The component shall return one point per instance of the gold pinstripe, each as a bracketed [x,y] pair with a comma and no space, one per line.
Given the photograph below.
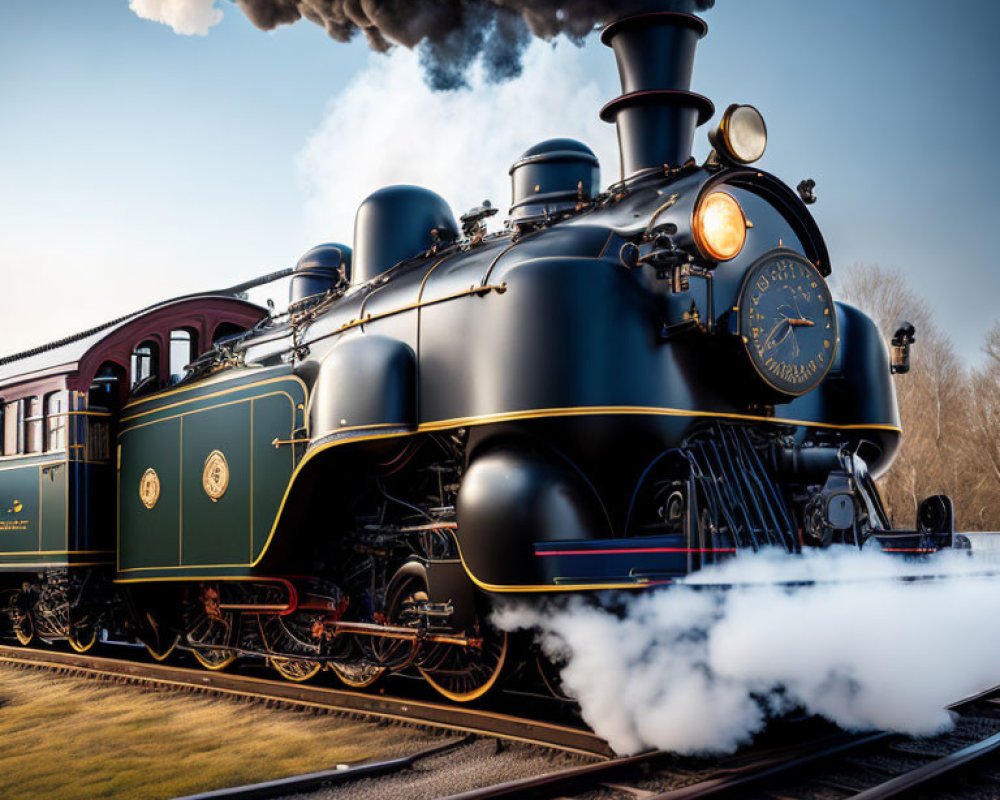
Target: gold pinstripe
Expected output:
[354,323]
[210,408]
[19,565]
[286,377]
[521,415]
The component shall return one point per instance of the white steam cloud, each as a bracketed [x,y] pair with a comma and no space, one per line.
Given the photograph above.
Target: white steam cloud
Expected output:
[700,670]
[188,17]
[388,127]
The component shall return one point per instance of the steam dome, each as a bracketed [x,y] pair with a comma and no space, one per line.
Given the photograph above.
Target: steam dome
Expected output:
[319,271]
[552,176]
[396,223]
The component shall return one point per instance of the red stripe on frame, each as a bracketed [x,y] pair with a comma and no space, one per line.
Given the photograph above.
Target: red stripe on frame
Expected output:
[632,550]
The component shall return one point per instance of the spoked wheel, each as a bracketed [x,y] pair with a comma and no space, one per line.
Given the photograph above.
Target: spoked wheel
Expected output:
[210,640]
[458,672]
[162,653]
[296,669]
[82,632]
[549,673]
[211,633]
[465,673]
[158,641]
[291,636]
[357,674]
[403,598]
[24,628]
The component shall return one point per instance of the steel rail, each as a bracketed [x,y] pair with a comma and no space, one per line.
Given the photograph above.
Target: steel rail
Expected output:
[401,709]
[742,774]
[741,778]
[557,781]
[770,767]
[744,777]
[737,775]
[309,781]
[987,695]
[922,776]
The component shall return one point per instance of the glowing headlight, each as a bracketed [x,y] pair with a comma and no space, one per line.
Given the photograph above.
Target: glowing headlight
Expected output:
[720,229]
[742,135]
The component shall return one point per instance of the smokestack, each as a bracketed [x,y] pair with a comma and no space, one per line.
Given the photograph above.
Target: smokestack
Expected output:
[656,114]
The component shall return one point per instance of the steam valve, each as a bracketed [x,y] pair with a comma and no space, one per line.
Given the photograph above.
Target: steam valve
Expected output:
[629,255]
[806,190]
[671,263]
[901,341]
[680,278]
[473,221]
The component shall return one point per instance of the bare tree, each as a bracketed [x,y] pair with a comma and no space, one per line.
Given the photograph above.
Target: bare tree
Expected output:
[984,433]
[950,415]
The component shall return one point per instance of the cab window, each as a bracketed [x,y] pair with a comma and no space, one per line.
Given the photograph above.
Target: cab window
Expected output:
[225,330]
[144,364]
[105,392]
[183,349]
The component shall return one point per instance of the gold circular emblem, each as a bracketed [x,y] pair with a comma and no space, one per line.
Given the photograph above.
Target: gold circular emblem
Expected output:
[149,488]
[215,476]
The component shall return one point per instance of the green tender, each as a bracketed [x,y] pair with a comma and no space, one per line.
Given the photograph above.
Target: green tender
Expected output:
[187,533]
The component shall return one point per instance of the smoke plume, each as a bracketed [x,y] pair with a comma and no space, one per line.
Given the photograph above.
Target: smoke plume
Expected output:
[387,126]
[695,669]
[451,35]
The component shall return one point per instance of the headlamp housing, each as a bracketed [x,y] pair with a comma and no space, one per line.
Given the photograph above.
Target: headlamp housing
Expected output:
[741,137]
[720,227]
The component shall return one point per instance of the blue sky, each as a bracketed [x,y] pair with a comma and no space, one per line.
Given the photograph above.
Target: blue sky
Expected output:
[137,163]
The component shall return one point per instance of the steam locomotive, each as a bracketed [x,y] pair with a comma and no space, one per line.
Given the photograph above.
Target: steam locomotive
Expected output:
[620,387]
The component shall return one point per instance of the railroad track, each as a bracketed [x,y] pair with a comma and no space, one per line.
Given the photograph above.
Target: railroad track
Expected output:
[820,764]
[460,719]
[875,766]
[798,771]
[323,778]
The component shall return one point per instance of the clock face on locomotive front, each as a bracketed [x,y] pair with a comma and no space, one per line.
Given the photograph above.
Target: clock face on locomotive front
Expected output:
[788,322]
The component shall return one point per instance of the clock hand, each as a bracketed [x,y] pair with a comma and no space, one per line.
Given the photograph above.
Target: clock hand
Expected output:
[800,322]
[786,311]
[768,343]
[796,294]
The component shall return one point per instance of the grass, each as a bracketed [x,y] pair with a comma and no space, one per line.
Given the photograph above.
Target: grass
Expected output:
[74,739]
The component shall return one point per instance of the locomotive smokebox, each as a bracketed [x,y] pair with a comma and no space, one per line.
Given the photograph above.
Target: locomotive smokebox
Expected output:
[656,114]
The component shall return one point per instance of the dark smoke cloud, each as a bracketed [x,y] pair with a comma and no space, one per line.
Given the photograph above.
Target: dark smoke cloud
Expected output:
[451,35]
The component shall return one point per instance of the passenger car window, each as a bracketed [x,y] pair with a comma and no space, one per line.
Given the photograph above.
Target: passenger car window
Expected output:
[12,428]
[55,420]
[33,425]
